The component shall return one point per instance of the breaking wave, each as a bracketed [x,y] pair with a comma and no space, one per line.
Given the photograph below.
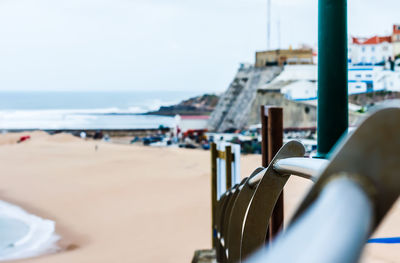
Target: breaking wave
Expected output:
[25,235]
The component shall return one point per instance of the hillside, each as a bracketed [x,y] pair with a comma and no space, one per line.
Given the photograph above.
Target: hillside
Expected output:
[200,105]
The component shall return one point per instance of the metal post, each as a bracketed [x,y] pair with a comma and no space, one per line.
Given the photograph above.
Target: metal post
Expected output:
[275,142]
[228,166]
[264,135]
[264,143]
[332,74]
[214,155]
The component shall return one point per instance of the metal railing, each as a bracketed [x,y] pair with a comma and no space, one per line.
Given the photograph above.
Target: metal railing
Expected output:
[304,167]
[335,229]
[354,189]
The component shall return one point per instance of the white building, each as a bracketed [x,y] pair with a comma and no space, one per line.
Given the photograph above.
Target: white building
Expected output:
[300,90]
[363,79]
[299,82]
[371,51]
[185,123]
[396,40]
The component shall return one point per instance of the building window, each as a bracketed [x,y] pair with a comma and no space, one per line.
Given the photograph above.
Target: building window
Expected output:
[369,76]
[373,49]
[363,49]
[358,76]
[373,60]
[385,48]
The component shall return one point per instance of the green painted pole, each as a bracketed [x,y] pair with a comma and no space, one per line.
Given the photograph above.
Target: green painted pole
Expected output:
[332,74]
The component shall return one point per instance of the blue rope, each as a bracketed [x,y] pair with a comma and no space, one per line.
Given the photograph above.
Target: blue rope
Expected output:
[388,240]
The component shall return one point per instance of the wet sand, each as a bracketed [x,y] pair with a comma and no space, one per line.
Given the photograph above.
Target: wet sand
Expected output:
[124,203]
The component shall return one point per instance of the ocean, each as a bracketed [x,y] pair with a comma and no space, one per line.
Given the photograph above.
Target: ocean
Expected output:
[86,110]
[24,235]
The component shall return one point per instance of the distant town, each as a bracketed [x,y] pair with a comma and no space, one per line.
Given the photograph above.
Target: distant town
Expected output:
[288,78]
[291,75]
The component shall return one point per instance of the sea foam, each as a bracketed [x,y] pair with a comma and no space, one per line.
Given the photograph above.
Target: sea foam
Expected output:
[107,118]
[25,235]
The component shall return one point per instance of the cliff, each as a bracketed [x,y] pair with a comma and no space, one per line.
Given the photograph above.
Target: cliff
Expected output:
[200,105]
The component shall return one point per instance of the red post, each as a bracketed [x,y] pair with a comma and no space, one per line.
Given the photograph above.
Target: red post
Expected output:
[264,144]
[264,136]
[275,142]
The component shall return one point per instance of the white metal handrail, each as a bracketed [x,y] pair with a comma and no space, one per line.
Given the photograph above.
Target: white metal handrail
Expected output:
[303,167]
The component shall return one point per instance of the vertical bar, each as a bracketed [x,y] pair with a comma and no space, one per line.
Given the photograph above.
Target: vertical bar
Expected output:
[228,166]
[275,142]
[264,143]
[264,135]
[213,192]
[332,74]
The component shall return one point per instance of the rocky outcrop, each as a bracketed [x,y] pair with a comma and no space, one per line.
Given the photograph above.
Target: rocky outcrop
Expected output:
[371,98]
[235,105]
[200,105]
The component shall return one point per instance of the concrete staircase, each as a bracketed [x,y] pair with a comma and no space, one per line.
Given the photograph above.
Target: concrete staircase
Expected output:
[234,106]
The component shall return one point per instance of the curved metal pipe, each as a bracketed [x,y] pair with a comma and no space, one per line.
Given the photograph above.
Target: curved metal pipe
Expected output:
[304,167]
[253,181]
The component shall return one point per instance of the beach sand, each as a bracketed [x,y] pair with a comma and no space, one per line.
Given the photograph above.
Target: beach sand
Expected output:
[123,203]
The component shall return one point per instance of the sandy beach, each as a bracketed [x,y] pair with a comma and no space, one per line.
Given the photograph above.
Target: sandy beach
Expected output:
[123,203]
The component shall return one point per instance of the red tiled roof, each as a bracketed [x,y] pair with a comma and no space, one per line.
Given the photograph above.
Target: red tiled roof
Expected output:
[356,41]
[372,41]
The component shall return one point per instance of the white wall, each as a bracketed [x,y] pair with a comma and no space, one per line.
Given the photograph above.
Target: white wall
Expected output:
[188,124]
[370,54]
[300,90]
[360,76]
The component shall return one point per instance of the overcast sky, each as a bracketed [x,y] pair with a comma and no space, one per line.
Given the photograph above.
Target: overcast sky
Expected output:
[155,44]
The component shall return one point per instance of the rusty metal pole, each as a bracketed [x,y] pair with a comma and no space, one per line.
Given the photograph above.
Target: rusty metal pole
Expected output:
[275,142]
[228,166]
[214,155]
[264,135]
[264,143]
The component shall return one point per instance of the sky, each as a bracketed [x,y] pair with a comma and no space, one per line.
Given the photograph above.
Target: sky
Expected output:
[149,45]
